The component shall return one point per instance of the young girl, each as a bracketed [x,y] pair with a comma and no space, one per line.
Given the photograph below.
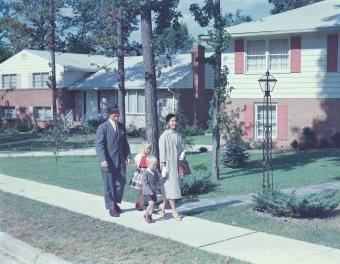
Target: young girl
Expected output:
[136,181]
[149,181]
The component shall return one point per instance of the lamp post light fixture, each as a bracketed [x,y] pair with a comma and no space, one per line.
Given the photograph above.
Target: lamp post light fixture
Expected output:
[267,83]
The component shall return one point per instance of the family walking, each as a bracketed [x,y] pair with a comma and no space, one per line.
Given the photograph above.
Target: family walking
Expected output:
[113,152]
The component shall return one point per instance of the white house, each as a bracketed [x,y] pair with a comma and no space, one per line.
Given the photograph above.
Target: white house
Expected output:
[300,48]
[87,84]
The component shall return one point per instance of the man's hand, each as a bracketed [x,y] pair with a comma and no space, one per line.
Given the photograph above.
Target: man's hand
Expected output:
[129,161]
[104,164]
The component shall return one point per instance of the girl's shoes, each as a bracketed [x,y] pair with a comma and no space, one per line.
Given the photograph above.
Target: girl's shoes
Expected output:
[148,219]
[139,207]
[176,216]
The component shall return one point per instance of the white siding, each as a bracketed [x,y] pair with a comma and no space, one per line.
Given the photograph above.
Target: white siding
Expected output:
[25,64]
[70,77]
[313,82]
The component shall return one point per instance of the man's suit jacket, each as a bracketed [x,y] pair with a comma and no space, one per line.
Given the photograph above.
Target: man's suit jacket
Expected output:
[112,147]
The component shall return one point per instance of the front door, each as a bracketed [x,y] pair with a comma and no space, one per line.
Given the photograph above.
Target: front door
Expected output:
[91,102]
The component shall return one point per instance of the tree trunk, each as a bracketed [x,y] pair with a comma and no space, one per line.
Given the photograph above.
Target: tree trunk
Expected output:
[53,81]
[151,119]
[216,130]
[121,71]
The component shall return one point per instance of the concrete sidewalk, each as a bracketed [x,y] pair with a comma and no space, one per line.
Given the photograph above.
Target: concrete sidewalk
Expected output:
[244,244]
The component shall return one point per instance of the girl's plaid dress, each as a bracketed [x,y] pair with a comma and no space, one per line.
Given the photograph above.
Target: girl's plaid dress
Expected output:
[136,181]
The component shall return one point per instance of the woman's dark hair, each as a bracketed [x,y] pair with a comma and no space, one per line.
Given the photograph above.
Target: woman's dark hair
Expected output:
[168,117]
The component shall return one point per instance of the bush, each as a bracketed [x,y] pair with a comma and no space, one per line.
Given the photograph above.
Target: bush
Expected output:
[324,143]
[308,139]
[294,144]
[92,125]
[21,126]
[203,149]
[336,140]
[197,182]
[312,205]
[234,154]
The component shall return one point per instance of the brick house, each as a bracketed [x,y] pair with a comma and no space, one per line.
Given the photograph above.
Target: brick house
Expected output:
[300,48]
[87,84]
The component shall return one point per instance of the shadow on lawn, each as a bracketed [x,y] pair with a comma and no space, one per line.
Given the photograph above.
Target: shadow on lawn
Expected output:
[287,162]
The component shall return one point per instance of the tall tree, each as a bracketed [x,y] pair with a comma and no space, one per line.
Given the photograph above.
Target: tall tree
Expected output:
[219,39]
[29,25]
[151,119]
[285,5]
[52,47]
[5,49]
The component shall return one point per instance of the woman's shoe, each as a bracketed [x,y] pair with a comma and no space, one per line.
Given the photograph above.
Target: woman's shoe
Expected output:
[176,216]
[139,207]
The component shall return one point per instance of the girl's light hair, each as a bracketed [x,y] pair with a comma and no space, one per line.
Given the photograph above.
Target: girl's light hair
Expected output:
[145,145]
[151,160]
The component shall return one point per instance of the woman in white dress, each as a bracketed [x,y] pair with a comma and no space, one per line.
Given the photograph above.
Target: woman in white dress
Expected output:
[170,150]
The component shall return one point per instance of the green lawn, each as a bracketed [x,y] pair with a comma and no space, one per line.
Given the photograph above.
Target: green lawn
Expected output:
[324,231]
[81,239]
[9,138]
[82,173]
[74,141]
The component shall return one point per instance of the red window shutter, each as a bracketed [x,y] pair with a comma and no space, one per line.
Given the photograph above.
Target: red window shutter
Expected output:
[282,122]
[332,53]
[295,54]
[239,56]
[248,128]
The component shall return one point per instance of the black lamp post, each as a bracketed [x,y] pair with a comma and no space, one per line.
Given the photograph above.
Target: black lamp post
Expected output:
[267,83]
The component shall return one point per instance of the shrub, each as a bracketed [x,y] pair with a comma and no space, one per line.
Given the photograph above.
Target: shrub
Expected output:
[234,154]
[324,143]
[203,149]
[308,139]
[92,125]
[336,140]
[282,204]
[294,144]
[132,131]
[197,182]
[20,126]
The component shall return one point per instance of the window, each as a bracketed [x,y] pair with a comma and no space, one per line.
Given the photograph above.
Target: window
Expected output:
[8,112]
[40,80]
[9,81]
[260,117]
[135,101]
[42,113]
[270,54]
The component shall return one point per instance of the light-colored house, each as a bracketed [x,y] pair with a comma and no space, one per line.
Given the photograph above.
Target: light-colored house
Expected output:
[301,49]
[87,84]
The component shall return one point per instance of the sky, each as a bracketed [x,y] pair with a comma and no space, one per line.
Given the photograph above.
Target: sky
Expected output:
[255,8]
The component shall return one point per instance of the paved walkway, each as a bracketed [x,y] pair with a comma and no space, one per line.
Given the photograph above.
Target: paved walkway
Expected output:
[227,240]
[243,199]
[135,148]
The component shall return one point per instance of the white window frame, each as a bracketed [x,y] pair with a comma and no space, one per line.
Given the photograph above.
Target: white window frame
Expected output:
[42,84]
[257,121]
[45,117]
[5,116]
[127,101]
[267,56]
[10,82]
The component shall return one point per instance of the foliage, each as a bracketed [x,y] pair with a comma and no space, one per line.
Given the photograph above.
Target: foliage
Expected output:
[56,137]
[173,40]
[198,182]
[336,140]
[234,154]
[92,125]
[308,139]
[294,144]
[133,131]
[324,143]
[203,149]
[284,5]
[282,204]
[21,126]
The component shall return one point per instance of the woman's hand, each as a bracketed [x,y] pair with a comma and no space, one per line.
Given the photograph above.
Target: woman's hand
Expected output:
[182,155]
[164,172]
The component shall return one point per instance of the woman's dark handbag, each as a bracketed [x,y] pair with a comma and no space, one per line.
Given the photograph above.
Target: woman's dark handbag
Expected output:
[183,168]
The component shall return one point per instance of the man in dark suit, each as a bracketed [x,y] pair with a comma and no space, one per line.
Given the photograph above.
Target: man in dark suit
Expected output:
[113,150]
